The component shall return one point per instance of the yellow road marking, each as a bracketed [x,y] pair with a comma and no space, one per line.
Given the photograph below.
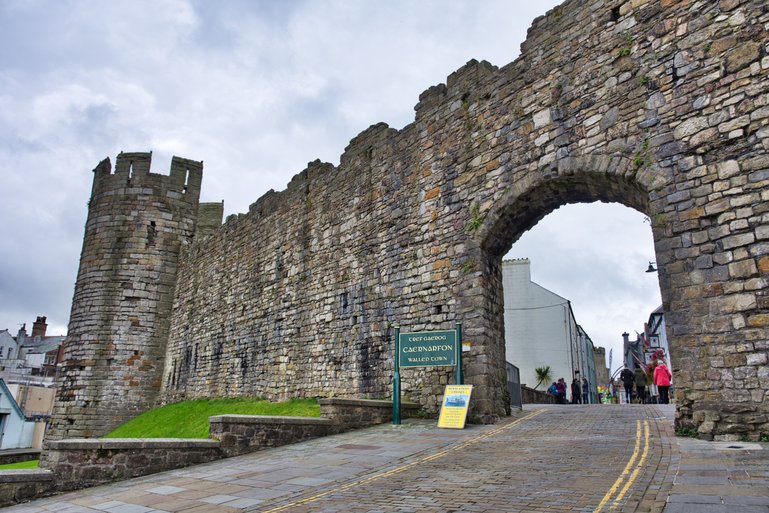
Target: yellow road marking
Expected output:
[640,465]
[407,466]
[626,472]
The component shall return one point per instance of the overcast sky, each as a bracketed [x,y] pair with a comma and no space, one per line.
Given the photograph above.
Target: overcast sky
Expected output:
[255,89]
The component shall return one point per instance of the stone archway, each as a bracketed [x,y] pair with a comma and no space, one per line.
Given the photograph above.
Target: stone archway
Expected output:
[522,207]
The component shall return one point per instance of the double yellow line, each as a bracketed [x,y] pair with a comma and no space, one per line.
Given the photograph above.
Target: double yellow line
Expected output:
[630,472]
[407,466]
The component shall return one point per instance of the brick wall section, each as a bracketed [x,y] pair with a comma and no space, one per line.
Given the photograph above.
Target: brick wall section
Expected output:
[661,105]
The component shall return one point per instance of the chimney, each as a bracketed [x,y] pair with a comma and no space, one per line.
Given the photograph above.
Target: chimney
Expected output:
[21,336]
[39,327]
[626,338]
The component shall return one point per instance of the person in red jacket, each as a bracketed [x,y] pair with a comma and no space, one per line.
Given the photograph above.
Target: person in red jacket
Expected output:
[662,378]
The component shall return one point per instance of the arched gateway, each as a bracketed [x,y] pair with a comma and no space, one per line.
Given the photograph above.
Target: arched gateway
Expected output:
[661,105]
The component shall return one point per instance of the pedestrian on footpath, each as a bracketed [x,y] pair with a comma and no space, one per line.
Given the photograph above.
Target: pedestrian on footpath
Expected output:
[628,379]
[662,379]
[585,391]
[553,390]
[640,384]
[561,386]
[576,391]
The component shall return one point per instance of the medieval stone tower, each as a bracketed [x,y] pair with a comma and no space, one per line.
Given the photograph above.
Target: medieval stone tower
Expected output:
[137,223]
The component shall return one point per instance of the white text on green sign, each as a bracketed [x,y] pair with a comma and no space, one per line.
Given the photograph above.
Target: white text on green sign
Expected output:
[428,349]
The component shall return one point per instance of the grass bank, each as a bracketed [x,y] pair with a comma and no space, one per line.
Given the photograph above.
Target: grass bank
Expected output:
[189,419]
[20,465]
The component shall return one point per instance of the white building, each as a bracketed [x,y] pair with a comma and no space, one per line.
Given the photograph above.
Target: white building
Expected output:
[8,347]
[16,432]
[540,330]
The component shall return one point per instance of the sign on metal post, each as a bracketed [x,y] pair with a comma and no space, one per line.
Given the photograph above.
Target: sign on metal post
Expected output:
[428,349]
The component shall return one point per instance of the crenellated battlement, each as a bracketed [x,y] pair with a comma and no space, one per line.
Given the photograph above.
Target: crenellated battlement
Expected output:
[132,171]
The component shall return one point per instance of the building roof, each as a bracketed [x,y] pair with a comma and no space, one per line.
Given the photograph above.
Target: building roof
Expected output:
[6,338]
[42,344]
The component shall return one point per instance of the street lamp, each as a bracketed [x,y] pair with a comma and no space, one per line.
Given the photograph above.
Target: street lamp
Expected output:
[651,268]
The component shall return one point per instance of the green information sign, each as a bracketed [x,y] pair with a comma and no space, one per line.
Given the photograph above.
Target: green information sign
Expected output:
[428,349]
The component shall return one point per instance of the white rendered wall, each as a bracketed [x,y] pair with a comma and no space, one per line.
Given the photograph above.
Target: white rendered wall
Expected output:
[538,326]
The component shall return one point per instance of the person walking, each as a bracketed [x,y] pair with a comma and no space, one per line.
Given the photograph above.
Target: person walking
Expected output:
[576,391]
[553,390]
[640,384]
[561,386]
[662,379]
[628,379]
[585,391]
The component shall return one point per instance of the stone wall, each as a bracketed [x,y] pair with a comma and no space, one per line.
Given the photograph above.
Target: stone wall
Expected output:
[240,434]
[24,485]
[348,414]
[531,396]
[18,455]
[80,463]
[660,105]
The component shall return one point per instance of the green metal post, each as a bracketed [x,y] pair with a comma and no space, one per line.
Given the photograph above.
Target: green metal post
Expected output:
[397,380]
[458,377]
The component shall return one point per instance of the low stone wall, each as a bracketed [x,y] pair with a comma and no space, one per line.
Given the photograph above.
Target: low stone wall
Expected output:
[80,463]
[239,434]
[531,396]
[349,414]
[23,485]
[16,456]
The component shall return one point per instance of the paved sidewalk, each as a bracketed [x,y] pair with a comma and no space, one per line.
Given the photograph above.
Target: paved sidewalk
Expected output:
[720,477]
[590,458]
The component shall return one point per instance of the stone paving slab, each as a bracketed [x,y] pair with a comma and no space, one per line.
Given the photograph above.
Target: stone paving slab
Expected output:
[720,477]
[586,458]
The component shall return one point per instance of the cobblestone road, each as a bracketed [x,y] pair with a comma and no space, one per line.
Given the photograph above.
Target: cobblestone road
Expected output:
[590,458]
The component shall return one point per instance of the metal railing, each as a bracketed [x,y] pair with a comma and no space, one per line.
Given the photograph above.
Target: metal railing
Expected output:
[514,385]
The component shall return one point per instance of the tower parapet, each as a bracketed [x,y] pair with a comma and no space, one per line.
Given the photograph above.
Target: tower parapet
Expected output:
[118,329]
